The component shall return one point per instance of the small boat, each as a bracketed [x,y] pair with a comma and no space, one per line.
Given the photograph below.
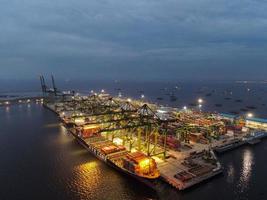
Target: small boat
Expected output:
[238,101]
[255,141]
[252,107]
[255,137]
[229,146]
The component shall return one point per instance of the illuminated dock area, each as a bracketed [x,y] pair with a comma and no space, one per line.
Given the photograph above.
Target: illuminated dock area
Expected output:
[179,163]
[148,141]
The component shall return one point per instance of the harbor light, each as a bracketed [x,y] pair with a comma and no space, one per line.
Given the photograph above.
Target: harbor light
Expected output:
[185,108]
[200,105]
[144,163]
[200,101]
[142,96]
[249,115]
[161,111]
[7,103]
[92,91]
[117,141]
[102,91]
[120,95]
[129,100]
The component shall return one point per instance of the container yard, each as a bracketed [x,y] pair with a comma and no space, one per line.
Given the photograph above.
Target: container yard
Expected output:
[150,142]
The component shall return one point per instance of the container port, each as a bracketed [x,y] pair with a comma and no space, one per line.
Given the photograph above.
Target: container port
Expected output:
[150,142]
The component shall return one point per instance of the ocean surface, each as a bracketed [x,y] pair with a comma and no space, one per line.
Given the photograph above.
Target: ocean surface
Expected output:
[40,160]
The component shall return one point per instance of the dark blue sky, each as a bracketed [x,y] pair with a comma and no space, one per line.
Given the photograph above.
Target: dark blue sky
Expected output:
[126,39]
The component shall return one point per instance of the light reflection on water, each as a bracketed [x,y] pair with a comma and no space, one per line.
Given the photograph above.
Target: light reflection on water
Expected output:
[87,176]
[246,170]
[62,130]
[7,109]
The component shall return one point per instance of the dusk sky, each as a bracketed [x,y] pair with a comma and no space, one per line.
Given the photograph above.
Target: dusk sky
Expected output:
[141,39]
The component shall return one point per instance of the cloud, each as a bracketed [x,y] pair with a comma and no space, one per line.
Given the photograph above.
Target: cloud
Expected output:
[127,36]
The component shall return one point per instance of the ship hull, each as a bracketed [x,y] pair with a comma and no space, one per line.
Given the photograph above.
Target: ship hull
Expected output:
[228,147]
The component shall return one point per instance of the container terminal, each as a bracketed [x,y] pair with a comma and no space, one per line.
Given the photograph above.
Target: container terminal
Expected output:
[149,142]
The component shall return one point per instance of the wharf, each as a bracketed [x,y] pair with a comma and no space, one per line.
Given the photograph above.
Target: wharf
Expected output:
[184,171]
[174,166]
[180,141]
[185,168]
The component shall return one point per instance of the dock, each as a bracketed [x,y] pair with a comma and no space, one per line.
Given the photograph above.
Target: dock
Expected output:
[182,175]
[180,169]
[180,143]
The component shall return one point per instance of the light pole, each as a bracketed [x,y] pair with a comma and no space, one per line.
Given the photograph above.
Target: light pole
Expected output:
[250,115]
[200,101]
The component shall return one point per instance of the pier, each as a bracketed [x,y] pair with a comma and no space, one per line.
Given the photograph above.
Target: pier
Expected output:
[181,142]
[135,126]
[181,166]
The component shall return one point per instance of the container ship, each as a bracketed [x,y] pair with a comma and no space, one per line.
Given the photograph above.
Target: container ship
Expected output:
[135,164]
